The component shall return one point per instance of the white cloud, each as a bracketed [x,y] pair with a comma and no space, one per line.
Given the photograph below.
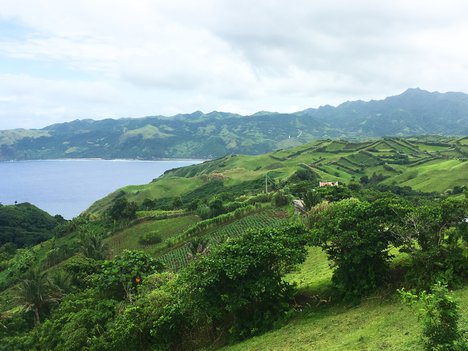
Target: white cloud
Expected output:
[165,57]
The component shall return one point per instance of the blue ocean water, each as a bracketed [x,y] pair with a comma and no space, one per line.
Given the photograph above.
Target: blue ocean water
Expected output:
[68,187]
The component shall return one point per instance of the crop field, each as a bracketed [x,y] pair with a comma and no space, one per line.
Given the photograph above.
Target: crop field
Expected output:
[178,258]
[165,228]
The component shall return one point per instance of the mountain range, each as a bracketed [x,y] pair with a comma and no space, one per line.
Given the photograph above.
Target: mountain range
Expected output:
[200,135]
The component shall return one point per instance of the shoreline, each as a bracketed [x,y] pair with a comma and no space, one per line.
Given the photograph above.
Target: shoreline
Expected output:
[110,160]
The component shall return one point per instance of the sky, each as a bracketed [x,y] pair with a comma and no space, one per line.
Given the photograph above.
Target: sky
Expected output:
[61,60]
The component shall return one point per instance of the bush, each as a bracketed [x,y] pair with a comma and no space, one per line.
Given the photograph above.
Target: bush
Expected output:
[151,238]
[440,319]
[280,199]
[120,277]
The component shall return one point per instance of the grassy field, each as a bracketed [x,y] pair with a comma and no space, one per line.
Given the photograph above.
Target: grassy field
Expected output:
[166,228]
[423,165]
[434,176]
[380,322]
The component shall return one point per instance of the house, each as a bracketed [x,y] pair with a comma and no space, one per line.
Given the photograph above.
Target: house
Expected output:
[328,184]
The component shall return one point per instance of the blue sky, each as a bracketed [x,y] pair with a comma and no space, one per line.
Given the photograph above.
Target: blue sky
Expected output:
[63,59]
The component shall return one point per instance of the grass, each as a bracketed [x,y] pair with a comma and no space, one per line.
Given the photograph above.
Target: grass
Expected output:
[437,168]
[377,323]
[434,176]
[166,228]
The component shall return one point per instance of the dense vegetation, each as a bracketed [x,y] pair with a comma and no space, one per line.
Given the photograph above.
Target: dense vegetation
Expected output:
[26,225]
[203,257]
[216,134]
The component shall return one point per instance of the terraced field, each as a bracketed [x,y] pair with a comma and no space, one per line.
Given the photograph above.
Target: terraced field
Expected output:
[398,160]
[129,238]
[178,257]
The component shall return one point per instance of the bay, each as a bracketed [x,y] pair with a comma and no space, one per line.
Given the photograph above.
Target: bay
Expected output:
[68,187]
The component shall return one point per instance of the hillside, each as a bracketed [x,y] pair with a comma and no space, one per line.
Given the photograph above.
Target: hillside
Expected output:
[199,135]
[202,258]
[424,164]
[26,225]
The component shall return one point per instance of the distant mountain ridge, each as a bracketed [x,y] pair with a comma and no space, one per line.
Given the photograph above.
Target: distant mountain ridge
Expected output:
[199,135]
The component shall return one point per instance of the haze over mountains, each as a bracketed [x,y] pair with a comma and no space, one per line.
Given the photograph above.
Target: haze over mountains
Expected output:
[199,135]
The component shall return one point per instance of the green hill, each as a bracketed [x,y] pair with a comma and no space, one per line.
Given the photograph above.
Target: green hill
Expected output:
[217,263]
[215,134]
[26,225]
[424,164]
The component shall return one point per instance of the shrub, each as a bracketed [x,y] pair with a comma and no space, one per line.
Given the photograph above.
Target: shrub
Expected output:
[440,319]
[280,199]
[151,238]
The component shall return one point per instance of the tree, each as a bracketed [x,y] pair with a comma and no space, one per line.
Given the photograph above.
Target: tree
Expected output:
[92,246]
[434,235]
[120,276]
[197,246]
[355,235]
[236,291]
[122,209]
[36,293]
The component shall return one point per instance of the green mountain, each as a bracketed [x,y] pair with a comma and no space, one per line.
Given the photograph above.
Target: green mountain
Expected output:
[199,135]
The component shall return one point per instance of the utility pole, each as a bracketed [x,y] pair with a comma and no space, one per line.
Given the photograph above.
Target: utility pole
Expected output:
[266,183]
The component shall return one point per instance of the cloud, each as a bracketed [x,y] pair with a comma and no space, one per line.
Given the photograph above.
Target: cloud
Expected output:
[166,57]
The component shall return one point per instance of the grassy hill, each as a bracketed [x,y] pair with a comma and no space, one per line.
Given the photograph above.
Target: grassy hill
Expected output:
[379,322]
[424,164]
[215,134]
[171,220]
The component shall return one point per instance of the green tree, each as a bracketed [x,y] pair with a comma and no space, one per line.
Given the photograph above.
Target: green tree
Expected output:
[435,237]
[121,276]
[36,293]
[92,246]
[236,291]
[355,235]
[122,209]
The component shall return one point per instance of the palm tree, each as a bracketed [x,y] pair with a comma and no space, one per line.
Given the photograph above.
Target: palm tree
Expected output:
[93,247]
[36,293]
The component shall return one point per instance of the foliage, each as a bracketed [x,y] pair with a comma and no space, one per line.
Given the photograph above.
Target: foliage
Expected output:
[197,246]
[26,225]
[178,258]
[121,276]
[76,323]
[150,238]
[92,246]
[280,199]
[122,209]
[435,237]
[356,234]
[36,293]
[440,319]
[234,292]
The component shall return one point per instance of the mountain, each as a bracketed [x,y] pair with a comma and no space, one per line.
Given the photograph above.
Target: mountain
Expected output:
[215,134]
